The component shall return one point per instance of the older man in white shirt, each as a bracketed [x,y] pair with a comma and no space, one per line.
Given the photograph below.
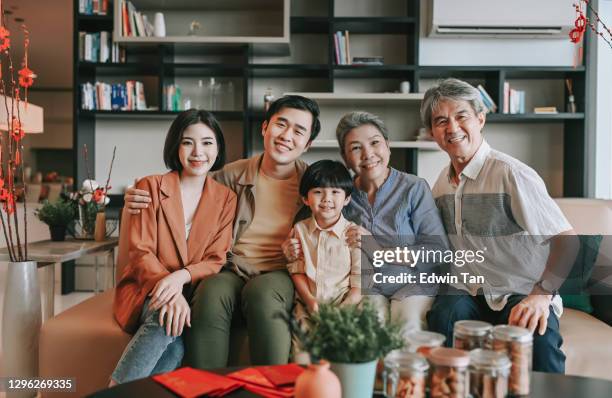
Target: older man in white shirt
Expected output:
[492,202]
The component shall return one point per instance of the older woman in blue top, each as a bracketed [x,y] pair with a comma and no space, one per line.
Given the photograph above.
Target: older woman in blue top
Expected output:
[396,208]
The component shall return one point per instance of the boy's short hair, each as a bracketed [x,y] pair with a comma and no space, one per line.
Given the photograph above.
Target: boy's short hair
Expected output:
[301,103]
[326,174]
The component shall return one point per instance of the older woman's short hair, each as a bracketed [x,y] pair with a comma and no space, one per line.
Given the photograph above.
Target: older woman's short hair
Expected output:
[356,119]
[449,90]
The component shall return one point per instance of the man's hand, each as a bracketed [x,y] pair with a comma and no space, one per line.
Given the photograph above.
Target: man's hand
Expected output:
[177,314]
[353,236]
[532,311]
[292,248]
[136,199]
[168,289]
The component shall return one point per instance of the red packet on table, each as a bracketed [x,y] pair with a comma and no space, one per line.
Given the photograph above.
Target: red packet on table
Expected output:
[281,375]
[189,383]
[270,392]
[251,376]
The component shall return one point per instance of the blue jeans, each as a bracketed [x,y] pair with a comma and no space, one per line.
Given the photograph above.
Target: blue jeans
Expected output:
[458,305]
[150,351]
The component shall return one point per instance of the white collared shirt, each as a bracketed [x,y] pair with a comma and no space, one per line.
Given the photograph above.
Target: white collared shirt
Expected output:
[331,266]
[502,205]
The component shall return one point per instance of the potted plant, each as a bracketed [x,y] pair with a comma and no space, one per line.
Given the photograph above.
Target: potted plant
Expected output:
[352,338]
[58,216]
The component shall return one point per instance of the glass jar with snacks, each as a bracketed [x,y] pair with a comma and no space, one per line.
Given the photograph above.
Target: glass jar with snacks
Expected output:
[449,376]
[422,341]
[404,375]
[469,335]
[517,343]
[489,372]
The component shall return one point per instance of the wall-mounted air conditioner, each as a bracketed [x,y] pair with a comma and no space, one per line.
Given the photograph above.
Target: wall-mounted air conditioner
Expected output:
[552,19]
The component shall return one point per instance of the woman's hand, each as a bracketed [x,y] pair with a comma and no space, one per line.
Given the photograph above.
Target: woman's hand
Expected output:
[177,314]
[353,236]
[169,289]
[136,199]
[292,248]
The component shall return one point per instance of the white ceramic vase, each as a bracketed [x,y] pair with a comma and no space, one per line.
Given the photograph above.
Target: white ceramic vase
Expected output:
[21,320]
[159,25]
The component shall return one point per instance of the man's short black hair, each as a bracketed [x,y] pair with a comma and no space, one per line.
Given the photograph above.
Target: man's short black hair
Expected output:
[175,135]
[326,174]
[297,102]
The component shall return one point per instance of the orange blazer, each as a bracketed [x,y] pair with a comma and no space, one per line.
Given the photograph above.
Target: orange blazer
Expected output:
[157,243]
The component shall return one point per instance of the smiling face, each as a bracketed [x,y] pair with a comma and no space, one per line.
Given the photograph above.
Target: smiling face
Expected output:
[286,135]
[456,128]
[326,204]
[367,153]
[198,150]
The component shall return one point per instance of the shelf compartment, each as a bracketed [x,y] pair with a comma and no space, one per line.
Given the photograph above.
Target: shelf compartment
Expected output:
[204,69]
[289,70]
[373,71]
[374,25]
[220,115]
[532,117]
[310,25]
[113,68]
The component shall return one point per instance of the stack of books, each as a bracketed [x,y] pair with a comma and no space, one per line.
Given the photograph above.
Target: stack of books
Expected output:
[134,23]
[342,48]
[98,47]
[128,96]
[514,100]
[93,7]
[488,102]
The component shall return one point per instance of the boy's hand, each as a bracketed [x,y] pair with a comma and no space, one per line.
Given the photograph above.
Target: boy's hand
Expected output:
[353,236]
[136,199]
[177,315]
[292,248]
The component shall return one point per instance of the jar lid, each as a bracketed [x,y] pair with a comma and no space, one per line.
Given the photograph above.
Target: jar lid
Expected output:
[406,360]
[423,338]
[489,360]
[449,357]
[472,328]
[512,333]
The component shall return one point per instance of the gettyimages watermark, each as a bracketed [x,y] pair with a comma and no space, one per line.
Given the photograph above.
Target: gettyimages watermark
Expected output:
[516,264]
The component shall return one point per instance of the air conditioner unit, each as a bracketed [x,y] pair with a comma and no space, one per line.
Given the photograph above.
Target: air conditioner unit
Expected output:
[551,19]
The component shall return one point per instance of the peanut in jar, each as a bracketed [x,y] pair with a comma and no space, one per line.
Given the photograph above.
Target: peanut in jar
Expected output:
[489,372]
[517,343]
[469,335]
[449,376]
[423,342]
[404,375]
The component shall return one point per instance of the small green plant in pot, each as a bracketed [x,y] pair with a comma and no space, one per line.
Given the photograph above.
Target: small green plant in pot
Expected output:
[352,338]
[59,216]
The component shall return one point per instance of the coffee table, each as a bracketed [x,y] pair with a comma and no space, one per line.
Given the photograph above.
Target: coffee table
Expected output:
[543,385]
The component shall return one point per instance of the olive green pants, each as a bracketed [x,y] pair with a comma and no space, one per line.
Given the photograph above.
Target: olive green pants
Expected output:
[225,300]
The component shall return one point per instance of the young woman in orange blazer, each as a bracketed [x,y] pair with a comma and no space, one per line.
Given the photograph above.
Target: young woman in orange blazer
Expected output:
[181,238]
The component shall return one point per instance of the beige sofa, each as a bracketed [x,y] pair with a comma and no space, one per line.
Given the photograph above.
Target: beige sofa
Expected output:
[85,342]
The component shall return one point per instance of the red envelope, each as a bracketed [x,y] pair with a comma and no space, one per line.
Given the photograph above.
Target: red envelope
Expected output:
[251,376]
[281,375]
[269,392]
[190,383]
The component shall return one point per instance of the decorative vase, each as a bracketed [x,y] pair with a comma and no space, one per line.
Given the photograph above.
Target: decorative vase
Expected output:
[100,233]
[318,381]
[357,379]
[159,25]
[58,232]
[87,220]
[21,320]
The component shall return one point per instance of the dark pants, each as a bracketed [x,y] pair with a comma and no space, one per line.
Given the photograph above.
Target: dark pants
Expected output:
[457,306]
[222,299]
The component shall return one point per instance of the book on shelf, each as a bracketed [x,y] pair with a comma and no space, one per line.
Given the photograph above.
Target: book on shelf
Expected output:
[98,47]
[374,60]
[342,48]
[128,96]
[545,110]
[487,100]
[133,22]
[514,100]
[93,7]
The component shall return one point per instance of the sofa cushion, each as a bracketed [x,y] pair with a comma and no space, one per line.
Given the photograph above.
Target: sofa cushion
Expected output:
[573,289]
[83,342]
[586,344]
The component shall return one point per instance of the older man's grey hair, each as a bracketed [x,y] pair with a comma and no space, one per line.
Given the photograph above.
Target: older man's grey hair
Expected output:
[352,120]
[449,90]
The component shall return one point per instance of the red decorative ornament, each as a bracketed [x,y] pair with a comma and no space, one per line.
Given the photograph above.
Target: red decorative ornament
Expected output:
[575,35]
[1,183]
[9,205]
[17,132]
[581,22]
[17,158]
[5,41]
[3,194]
[26,77]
